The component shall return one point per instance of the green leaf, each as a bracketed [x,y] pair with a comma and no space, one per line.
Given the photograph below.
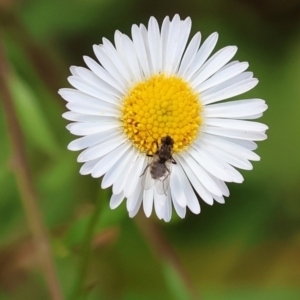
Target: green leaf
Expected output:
[108,218]
[252,293]
[4,296]
[174,282]
[34,125]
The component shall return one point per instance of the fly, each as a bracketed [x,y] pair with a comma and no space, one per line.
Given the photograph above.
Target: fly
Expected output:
[158,171]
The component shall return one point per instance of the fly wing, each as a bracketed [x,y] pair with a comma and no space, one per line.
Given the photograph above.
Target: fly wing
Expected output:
[162,184]
[147,180]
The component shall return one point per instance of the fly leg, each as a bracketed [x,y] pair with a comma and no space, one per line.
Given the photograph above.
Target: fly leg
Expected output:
[145,170]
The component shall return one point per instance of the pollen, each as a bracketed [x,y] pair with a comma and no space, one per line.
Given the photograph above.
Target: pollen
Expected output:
[160,106]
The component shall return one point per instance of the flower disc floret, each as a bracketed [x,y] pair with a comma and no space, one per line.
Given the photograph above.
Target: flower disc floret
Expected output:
[160,106]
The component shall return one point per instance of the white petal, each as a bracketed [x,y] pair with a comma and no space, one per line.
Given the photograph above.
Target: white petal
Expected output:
[73,70]
[246,144]
[147,180]
[148,201]
[140,50]
[229,146]
[168,208]
[135,176]
[215,63]
[235,133]
[154,44]
[144,33]
[93,79]
[119,171]
[230,88]
[223,187]
[185,28]
[181,211]
[233,160]
[159,204]
[236,124]
[90,140]
[204,177]
[106,62]
[116,59]
[134,202]
[195,181]
[102,149]
[75,96]
[213,165]
[116,200]
[119,46]
[192,201]
[226,73]
[165,28]
[202,55]
[109,160]
[134,211]
[134,197]
[189,54]
[234,109]
[83,109]
[131,58]
[172,44]
[250,117]
[92,90]
[87,167]
[176,187]
[122,177]
[91,128]
[78,117]
[219,199]
[104,74]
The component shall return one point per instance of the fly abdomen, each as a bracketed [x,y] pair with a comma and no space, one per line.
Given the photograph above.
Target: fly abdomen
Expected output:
[158,170]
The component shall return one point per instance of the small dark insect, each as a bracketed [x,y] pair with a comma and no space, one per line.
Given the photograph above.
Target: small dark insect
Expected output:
[159,169]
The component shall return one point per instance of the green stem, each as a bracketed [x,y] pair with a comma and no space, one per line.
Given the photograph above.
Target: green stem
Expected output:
[173,267]
[25,182]
[86,255]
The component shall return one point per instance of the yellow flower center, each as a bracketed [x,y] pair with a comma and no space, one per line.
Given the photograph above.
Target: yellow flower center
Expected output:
[160,106]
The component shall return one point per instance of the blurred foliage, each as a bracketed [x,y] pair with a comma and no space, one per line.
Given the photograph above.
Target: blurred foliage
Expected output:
[248,248]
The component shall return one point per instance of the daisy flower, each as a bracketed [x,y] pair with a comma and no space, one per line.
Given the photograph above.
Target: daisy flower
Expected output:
[152,123]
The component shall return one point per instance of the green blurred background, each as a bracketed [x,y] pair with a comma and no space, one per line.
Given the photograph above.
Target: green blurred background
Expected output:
[248,248]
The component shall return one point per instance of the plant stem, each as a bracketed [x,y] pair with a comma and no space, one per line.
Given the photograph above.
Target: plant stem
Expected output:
[25,184]
[164,251]
[86,255]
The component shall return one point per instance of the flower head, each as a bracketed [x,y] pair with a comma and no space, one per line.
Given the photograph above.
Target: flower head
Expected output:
[150,120]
